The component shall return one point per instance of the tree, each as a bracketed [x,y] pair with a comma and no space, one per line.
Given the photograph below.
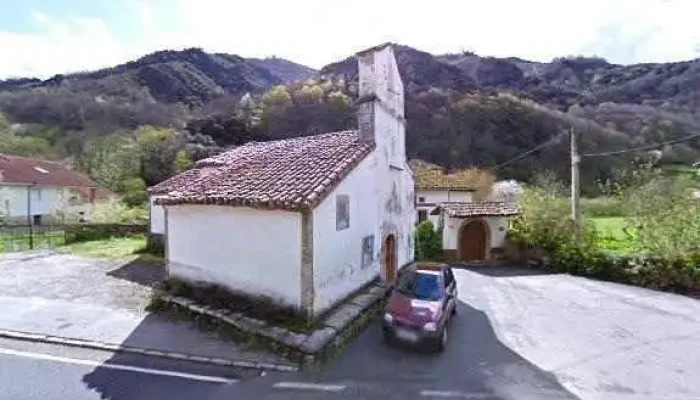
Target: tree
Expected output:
[428,242]
[183,161]
[158,148]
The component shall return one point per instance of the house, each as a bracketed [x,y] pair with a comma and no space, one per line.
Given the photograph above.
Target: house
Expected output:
[38,192]
[472,227]
[305,221]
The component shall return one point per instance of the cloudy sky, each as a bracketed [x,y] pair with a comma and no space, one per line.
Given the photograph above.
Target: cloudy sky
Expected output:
[45,37]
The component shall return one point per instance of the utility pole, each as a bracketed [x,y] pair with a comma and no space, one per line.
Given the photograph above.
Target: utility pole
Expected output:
[575,182]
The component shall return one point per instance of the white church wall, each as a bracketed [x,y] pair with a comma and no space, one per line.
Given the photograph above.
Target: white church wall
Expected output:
[341,263]
[157,213]
[240,248]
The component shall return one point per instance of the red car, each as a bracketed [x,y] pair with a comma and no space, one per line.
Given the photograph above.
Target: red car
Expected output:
[420,306]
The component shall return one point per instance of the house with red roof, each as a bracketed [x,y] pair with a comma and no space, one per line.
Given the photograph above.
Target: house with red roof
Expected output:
[39,191]
[472,229]
[305,221]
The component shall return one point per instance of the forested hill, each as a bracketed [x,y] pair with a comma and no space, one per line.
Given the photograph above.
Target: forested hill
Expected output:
[463,109]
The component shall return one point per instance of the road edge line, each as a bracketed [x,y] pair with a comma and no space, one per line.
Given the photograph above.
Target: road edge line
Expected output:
[95,345]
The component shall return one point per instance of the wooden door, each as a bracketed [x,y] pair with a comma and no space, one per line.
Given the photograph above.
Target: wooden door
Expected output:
[472,241]
[390,260]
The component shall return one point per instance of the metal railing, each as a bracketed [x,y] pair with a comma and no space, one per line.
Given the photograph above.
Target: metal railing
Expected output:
[14,238]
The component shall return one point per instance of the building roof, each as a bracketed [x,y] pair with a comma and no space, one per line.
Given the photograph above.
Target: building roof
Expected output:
[479,209]
[28,171]
[290,174]
[429,176]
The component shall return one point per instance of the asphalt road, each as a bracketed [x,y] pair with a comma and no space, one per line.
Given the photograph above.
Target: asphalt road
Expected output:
[518,335]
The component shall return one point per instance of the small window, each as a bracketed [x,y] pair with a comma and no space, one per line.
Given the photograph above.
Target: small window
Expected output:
[367,251]
[36,220]
[342,212]
[422,215]
[421,199]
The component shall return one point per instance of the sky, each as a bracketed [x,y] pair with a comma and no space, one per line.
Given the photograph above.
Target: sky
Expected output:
[44,37]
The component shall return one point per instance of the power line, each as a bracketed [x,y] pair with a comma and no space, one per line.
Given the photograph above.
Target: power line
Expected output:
[640,148]
[532,150]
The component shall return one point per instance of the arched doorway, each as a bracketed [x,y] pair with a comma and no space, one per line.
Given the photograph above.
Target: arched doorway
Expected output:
[473,241]
[389,260]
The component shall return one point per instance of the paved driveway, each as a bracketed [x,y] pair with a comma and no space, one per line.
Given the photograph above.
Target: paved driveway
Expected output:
[100,300]
[523,335]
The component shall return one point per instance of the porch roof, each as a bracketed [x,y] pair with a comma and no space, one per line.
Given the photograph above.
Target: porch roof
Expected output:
[479,209]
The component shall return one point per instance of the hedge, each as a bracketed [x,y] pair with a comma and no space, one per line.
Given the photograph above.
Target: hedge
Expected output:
[88,232]
[678,274]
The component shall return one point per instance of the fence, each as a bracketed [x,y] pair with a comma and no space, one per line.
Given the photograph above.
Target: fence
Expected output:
[30,237]
[15,238]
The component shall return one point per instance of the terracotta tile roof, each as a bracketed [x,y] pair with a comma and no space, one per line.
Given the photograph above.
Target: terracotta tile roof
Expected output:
[27,171]
[480,209]
[429,176]
[290,174]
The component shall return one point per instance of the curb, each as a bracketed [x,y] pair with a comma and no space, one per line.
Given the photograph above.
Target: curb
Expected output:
[88,344]
[305,345]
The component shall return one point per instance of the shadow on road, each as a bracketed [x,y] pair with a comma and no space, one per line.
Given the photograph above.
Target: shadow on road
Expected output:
[140,271]
[475,361]
[157,333]
[504,271]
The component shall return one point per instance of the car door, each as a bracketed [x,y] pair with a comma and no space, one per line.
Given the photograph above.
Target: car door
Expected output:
[450,289]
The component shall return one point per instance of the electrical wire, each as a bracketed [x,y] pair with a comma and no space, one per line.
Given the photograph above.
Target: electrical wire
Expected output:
[532,150]
[640,148]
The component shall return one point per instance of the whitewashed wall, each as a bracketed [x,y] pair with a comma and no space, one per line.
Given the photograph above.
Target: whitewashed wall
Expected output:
[45,201]
[338,269]
[442,196]
[427,200]
[498,228]
[242,249]
[157,215]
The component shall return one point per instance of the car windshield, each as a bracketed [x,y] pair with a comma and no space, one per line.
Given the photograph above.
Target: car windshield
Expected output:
[421,286]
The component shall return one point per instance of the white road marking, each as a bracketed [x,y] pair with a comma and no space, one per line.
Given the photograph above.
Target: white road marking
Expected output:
[454,394]
[309,386]
[90,363]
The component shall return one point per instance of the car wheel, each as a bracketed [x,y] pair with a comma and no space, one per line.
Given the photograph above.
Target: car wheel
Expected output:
[442,340]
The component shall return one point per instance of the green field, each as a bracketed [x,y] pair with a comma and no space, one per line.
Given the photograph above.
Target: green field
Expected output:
[612,237]
[108,248]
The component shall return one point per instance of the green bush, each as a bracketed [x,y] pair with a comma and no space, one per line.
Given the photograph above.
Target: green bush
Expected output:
[599,207]
[428,242]
[667,225]
[90,232]
[545,221]
[665,218]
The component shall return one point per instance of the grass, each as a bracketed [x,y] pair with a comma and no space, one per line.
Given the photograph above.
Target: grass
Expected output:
[121,247]
[20,242]
[612,236]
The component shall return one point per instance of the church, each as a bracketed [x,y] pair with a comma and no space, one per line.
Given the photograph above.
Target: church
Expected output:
[303,221]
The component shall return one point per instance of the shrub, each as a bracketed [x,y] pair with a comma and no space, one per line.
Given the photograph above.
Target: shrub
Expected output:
[117,212]
[428,242]
[602,207]
[90,232]
[545,222]
[665,218]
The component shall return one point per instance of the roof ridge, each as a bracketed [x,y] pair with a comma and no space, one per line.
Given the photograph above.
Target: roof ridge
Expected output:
[31,158]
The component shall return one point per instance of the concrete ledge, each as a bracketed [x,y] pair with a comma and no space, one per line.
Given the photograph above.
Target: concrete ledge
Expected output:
[111,347]
[306,345]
